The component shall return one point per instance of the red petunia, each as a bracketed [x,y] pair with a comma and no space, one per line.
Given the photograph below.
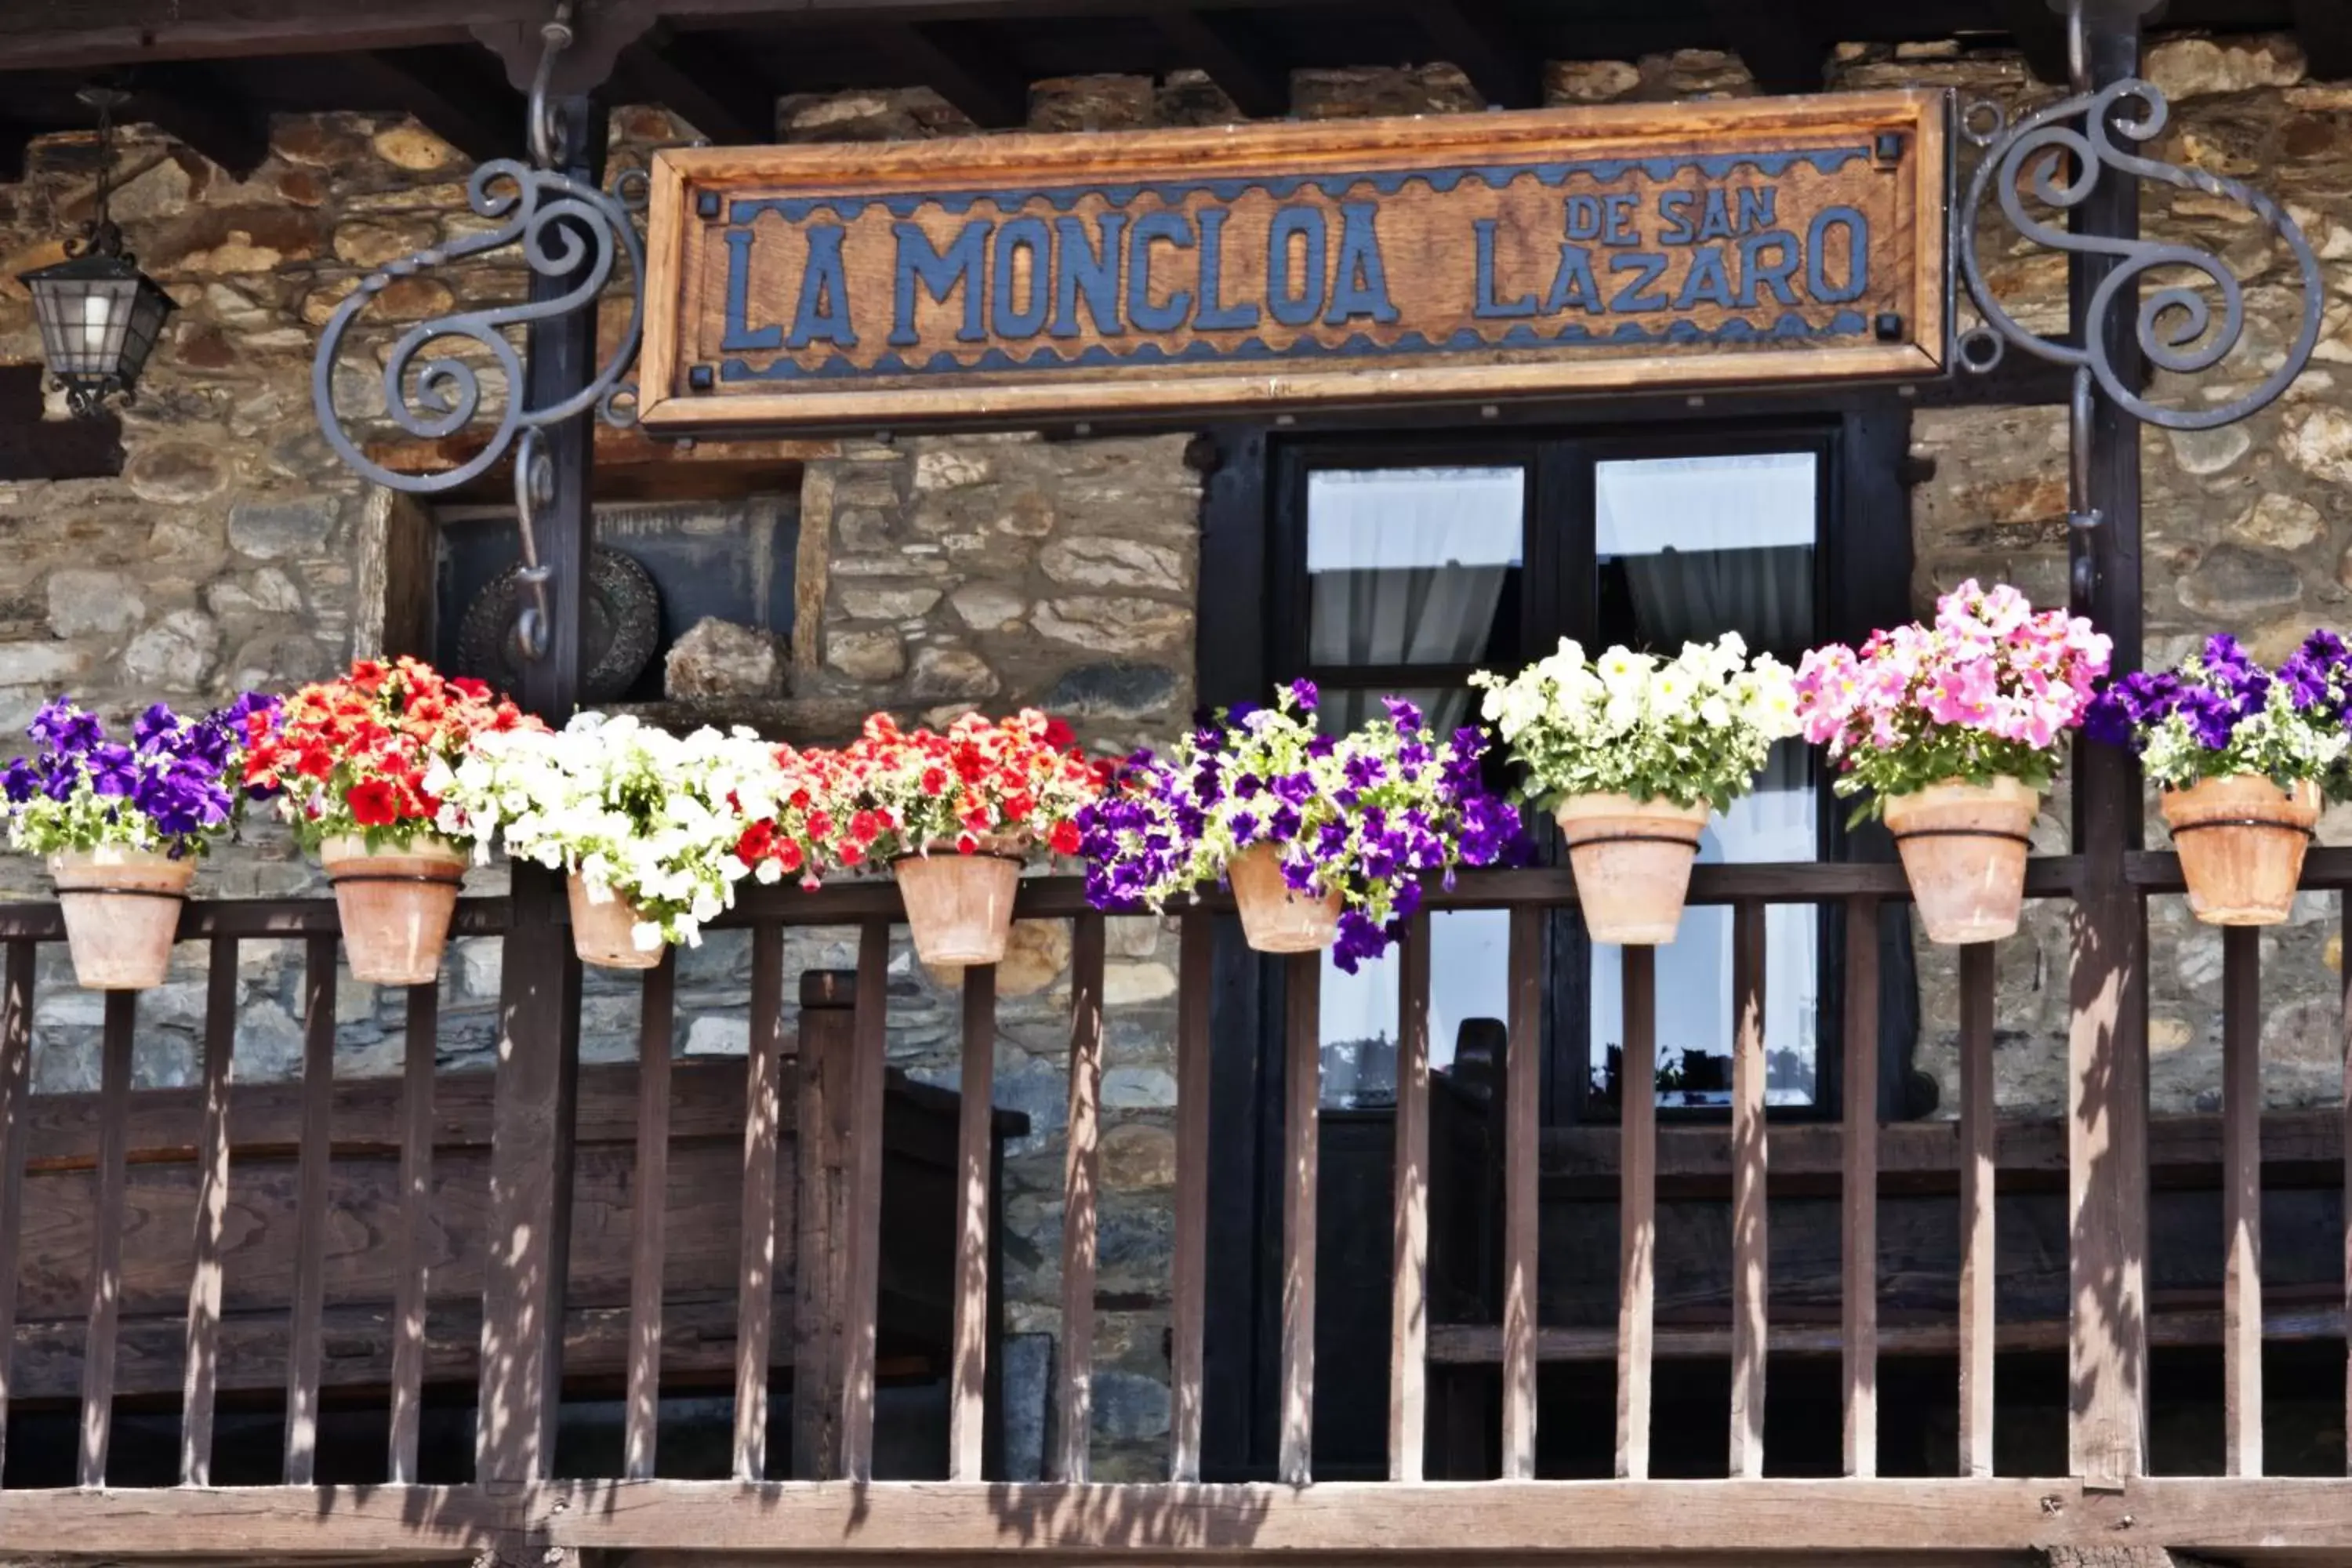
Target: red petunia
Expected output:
[374,804]
[1064,837]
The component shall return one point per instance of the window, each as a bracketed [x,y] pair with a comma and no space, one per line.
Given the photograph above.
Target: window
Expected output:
[1403,568]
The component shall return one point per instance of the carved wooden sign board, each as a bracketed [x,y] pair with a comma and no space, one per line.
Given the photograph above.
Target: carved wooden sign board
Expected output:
[1018,279]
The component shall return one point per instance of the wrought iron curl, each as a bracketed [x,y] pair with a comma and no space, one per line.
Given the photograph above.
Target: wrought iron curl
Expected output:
[562,227]
[2176,324]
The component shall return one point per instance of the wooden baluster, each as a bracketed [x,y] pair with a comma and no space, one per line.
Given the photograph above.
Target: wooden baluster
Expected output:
[755,1298]
[1191,1267]
[2241,1200]
[820,1289]
[862,1206]
[1750,1320]
[648,1244]
[106,1231]
[1637,1210]
[1409,1244]
[421,1046]
[1301,1164]
[1858,1343]
[1522,1217]
[200,1377]
[305,1340]
[15,1084]
[1978,1269]
[1081,1169]
[975,1118]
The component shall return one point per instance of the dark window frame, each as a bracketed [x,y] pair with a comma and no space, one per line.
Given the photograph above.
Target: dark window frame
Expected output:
[1871,574]
[1560,596]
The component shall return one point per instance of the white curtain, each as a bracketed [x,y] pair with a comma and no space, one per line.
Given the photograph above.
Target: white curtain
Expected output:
[1406,566]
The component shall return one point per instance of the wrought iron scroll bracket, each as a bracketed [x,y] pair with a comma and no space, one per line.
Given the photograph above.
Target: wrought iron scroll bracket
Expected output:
[2059,153]
[567,230]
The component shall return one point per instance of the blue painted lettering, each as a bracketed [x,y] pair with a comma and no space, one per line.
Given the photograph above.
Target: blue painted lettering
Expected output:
[1773,274]
[1295,305]
[1007,273]
[1360,291]
[940,273]
[822,309]
[740,333]
[1089,270]
[1489,307]
[1857,256]
[1646,267]
[1675,206]
[1708,282]
[1583,217]
[1165,317]
[1573,284]
[1757,205]
[1620,205]
[1215,315]
[1714,217]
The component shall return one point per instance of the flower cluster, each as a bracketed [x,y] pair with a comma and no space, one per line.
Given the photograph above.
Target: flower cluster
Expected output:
[1693,727]
[170,789]
[1988,690]
[629,807]
[1366,817]
[2219,713]
[1011,786]
[350,756]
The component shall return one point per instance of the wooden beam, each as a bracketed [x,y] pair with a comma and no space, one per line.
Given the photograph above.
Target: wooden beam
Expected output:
[1489,48]
[2040,36]
[451,92]
[702,84]
[1236,56]
[1784,47]
[969,64]
[197,108]
[2324,27]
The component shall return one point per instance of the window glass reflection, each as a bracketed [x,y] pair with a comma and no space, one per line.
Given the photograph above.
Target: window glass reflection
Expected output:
[1690,548]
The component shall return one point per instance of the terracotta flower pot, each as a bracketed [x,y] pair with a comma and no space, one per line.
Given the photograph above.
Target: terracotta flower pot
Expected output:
[603,927]
[958,906]
[1275,918]
[1633,863]
[1963,848]
[2240,841]
[121,907]
[396,906]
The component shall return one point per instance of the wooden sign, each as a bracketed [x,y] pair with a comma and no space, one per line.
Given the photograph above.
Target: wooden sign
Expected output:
[1011,278]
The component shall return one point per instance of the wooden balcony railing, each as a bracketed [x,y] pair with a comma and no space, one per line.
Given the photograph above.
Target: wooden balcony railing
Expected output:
[836,1095]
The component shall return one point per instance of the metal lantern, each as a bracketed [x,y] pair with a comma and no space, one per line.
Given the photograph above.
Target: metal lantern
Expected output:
[99,315]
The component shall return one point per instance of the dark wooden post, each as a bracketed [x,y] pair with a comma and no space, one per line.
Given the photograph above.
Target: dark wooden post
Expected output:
[539,1057]
[2107,1046]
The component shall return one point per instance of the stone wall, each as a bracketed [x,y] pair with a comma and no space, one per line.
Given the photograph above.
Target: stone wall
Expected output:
[937,574]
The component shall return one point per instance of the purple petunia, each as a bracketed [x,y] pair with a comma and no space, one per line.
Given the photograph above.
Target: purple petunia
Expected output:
[174,782]
[1366,817]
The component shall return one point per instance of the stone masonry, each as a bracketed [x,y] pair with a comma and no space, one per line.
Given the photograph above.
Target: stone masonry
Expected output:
[941,575]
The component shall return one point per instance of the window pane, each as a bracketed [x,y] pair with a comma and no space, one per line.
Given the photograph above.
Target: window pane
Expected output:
[1469,993]
[1689,549]
[1410,565]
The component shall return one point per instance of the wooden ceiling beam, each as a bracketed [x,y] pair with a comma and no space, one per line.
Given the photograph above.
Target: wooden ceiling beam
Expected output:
[1478,37]
[974,73]
[702,85]
[1784,47]
[2039,35]
[475,112]
[2324,30]
[1232,54]
[194,107]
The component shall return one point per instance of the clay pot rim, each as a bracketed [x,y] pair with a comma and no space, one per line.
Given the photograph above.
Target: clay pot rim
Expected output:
[951,853]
